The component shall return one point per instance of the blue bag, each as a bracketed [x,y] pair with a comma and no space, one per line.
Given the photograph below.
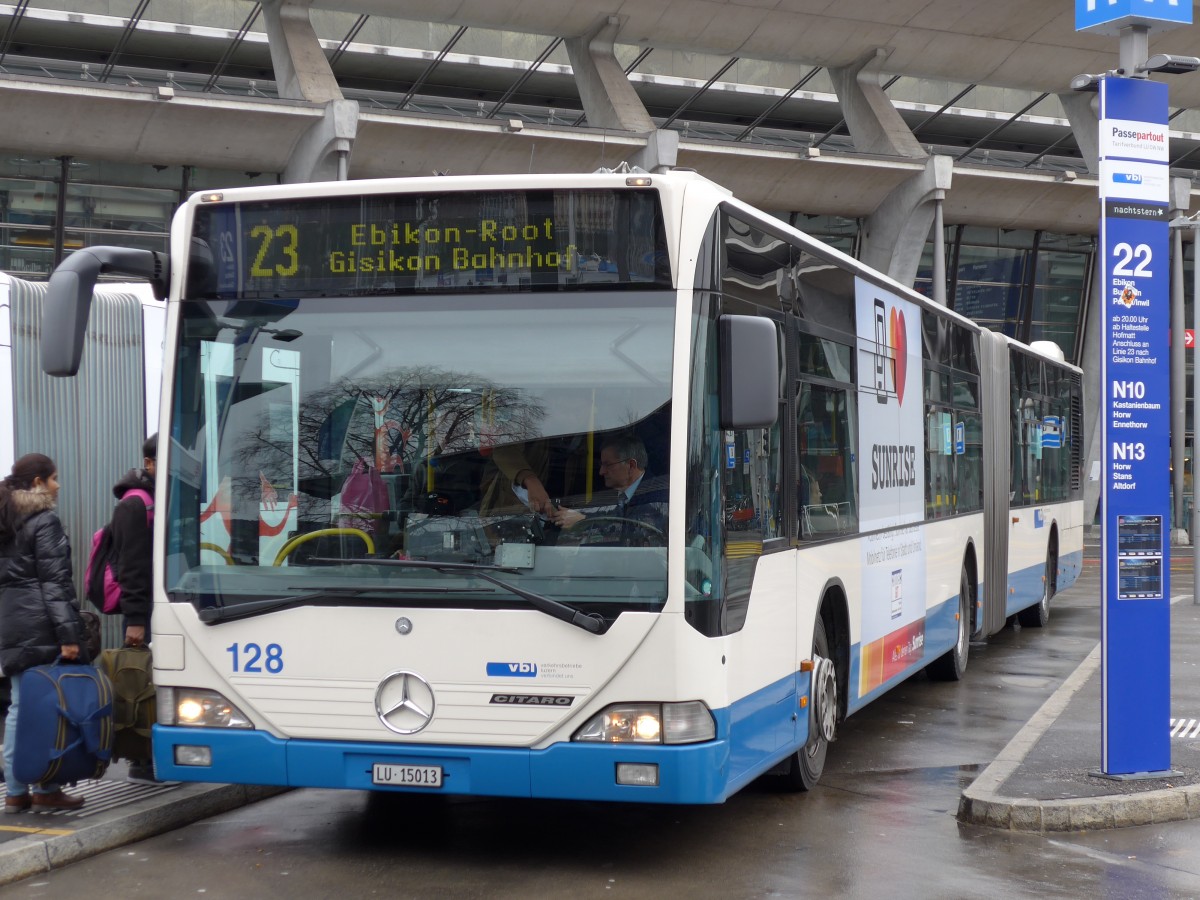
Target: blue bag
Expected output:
[64,723]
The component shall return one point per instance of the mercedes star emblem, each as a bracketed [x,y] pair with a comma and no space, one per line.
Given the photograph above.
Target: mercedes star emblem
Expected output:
[404,702]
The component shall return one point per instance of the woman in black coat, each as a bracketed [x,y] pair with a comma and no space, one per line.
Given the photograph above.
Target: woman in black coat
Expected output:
[39,615]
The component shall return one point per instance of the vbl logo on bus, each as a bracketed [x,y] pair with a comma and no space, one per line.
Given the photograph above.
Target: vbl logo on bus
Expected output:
[512,670]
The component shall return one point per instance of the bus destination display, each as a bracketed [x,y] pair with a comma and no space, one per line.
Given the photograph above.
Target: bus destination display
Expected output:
[400,243]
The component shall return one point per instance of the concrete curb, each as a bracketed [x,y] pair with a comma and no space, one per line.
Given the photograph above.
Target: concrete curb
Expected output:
[1081,814]
[982,803]
[38,853]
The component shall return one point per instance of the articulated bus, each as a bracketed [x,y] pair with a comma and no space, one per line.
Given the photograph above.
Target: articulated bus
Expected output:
[383,397]
[93,425]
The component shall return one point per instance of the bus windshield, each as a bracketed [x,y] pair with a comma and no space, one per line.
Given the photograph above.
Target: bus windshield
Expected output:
[308,434]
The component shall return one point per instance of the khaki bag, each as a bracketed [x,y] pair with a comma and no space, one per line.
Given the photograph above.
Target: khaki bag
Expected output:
[131,671]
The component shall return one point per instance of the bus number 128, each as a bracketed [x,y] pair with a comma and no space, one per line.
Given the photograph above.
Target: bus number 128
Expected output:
[251,658]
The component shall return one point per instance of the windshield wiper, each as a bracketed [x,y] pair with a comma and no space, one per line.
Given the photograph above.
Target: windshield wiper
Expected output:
[550,607]
[211,615]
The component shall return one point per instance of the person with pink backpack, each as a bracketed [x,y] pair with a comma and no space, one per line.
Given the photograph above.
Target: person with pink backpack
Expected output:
[132,529]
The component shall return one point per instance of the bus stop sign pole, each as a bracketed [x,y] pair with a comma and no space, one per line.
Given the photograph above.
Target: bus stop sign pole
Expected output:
[1135,378]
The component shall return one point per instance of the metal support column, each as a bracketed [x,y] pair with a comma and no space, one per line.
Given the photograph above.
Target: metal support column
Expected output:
[939,249]
[1178,387]
[60,209]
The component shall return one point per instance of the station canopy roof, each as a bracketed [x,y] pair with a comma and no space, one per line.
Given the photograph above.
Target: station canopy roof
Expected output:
[1029,44]
[974,80]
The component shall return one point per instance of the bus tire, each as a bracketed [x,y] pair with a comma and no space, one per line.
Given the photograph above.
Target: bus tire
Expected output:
[806,764]
[1038,616]
[952,665]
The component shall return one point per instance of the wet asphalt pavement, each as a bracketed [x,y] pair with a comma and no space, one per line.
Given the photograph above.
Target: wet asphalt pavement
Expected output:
[884,822]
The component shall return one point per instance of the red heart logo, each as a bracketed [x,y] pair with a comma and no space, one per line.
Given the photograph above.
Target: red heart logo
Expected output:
[898,338]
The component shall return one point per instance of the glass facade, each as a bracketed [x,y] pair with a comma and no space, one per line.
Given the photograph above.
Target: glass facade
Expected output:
[1030,285]
[28,215]
[104,203]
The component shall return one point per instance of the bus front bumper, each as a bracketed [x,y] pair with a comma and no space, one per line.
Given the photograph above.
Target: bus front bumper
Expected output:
[691,773]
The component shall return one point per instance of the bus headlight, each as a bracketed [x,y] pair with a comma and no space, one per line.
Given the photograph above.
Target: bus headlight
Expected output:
[198,708]
[650,723]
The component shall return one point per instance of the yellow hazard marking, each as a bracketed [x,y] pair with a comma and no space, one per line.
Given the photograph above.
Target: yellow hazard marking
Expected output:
[50,831]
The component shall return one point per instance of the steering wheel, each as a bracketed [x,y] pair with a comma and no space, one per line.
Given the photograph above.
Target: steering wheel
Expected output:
[324,532]
[650,533]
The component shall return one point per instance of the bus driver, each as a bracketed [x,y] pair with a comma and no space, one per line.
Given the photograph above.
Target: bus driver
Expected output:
[640,498]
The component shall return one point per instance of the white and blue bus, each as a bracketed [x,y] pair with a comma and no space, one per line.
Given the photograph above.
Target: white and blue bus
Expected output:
[371,385]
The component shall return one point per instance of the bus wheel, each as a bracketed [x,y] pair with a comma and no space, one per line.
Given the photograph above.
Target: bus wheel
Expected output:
[952,665]
[1037,616]
[807,763]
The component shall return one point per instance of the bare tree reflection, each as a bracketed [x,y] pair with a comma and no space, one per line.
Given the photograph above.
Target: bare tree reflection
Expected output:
[393,421]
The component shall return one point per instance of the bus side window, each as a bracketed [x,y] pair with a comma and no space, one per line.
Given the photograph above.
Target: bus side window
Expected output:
[752,497]
[939,446]
[825,483]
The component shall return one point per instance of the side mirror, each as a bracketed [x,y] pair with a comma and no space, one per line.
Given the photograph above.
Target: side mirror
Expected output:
[69,298]
[749,368]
